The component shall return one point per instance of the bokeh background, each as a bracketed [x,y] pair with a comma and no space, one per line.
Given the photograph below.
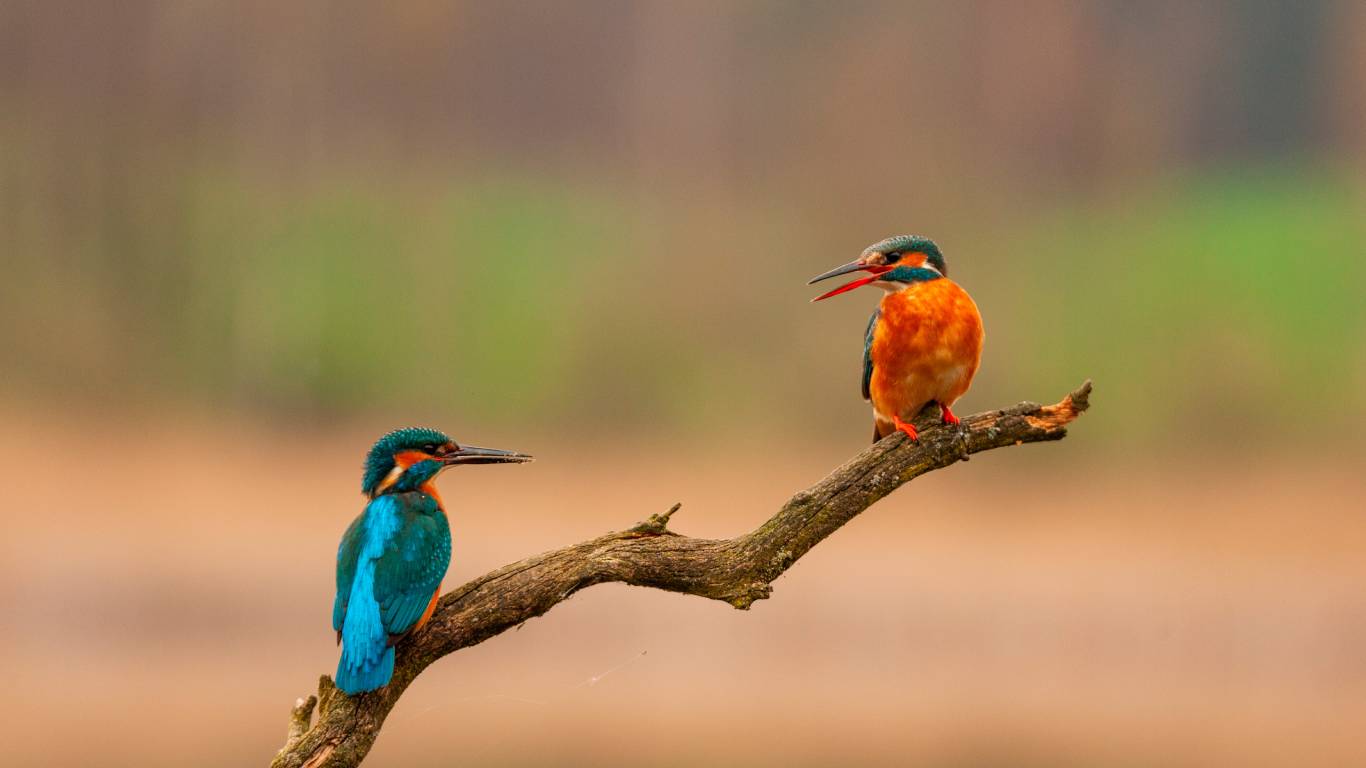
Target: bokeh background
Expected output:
[240,240]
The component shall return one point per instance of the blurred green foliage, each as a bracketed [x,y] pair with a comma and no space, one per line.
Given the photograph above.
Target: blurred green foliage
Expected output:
[1216,299]
[1234,298]
[360,297]
[313,212]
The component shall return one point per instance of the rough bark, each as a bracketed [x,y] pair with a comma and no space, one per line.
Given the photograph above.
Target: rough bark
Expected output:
[737,571]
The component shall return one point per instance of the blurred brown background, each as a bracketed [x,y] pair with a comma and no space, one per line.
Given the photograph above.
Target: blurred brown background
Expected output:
[241,240]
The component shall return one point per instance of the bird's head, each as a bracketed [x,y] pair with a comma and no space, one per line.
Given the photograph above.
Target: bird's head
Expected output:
[406,458]
[892,265]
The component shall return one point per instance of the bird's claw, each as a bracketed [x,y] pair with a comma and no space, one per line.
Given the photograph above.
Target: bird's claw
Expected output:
[907,428]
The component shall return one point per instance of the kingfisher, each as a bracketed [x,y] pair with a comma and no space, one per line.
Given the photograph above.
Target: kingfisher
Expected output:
[392,558]
[924,341]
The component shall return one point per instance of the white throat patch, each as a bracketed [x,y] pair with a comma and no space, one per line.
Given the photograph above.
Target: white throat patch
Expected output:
[390,479]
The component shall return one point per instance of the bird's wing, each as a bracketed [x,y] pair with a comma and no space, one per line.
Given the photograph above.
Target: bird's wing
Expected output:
[348,553]
[868,351]
[413,563]
[408,542]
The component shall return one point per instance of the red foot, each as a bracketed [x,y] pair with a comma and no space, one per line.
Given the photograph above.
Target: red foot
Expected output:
[947,415]
[909,429]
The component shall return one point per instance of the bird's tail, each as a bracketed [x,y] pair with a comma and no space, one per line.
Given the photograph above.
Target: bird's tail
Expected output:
[881,429]
[367,659]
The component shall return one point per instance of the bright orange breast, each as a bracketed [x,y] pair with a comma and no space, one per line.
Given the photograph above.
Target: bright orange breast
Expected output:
[927,346]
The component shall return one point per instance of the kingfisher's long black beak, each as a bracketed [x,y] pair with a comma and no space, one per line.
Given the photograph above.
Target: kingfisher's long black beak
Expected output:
[471,454]
[853,266]
[844,269]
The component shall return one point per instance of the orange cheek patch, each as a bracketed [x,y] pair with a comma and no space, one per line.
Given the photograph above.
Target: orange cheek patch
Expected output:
[406,459]
[402,460]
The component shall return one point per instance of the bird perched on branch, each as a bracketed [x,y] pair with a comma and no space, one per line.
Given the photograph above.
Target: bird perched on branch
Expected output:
[924,341]
[393,556]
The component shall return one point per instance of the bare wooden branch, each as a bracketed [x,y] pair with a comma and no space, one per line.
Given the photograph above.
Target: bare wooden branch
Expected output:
[737,571]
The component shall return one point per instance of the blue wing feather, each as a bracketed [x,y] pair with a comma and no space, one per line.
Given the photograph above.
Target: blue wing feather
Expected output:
[348,552]
[868,352]
[413,566]
[390,561]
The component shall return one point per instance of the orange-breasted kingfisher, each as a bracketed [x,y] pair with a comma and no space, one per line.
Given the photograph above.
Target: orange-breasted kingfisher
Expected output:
[392,558]
[924,341]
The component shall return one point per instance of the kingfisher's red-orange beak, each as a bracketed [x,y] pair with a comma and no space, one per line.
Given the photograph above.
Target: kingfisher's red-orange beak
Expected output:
[874,272]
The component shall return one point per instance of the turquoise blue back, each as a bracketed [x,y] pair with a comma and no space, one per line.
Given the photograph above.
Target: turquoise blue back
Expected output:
[390,561]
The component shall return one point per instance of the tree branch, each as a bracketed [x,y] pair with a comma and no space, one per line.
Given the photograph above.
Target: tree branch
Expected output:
[737,571]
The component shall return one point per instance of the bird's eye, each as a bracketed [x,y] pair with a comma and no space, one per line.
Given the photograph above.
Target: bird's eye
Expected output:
[429,448]
[894,257]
